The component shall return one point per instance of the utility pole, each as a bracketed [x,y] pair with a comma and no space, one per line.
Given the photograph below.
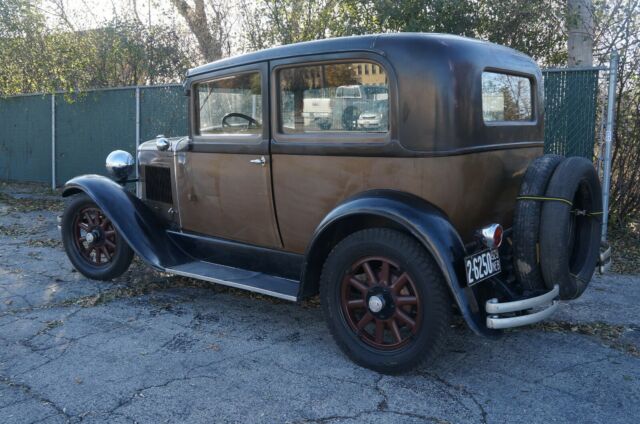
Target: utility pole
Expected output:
[611,101]
[580,29]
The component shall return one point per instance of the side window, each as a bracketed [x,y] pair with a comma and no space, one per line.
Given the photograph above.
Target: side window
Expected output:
[506,97]
[333,97]
[230,105]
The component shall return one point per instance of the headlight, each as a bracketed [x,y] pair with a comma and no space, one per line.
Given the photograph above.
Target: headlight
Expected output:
[120,165]
[162,143]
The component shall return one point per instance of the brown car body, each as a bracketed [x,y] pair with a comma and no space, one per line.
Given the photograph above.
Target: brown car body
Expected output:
[441,150]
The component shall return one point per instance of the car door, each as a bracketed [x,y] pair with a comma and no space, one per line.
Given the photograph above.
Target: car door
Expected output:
[224,177]
[322,159]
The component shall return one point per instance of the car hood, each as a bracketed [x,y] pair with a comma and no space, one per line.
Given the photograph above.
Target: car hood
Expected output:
[151,144]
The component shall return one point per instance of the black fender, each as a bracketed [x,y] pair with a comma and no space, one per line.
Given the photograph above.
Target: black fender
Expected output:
[138,225]
[428,224]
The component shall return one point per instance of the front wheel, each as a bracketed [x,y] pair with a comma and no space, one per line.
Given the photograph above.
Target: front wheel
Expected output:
[385,300]
[93,245]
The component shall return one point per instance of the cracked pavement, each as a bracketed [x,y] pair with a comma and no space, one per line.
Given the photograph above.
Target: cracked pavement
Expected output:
[151,348]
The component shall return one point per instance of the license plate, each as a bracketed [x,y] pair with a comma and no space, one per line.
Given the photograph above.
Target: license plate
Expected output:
[482,265]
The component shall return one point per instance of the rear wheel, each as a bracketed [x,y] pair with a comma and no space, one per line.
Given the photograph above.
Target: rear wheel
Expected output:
[93,245]
[384,300]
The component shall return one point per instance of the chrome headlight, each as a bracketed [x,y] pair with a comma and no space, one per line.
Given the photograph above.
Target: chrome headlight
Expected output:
[162,143]
[120,165]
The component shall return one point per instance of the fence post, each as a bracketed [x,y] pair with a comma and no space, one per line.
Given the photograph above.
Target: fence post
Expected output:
[135,154]
[53,141]
[611,98]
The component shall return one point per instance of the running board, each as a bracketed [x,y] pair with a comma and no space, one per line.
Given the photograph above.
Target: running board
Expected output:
[239,278]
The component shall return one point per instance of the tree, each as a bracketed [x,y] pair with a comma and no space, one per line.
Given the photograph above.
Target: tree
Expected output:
[33,57]
[617,26]
[580,32]
[209,24]
[535,27]
[267,23]
[126,52]
[36,58]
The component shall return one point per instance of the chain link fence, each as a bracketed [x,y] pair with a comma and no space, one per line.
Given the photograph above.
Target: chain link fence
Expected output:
[50,138]
[570,111]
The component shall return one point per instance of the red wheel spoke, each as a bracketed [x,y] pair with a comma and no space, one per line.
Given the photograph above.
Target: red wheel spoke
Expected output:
[102,249]
[405,318]
[87,216]
[355,304]
[384,273]
[365,320]
[400,282]
[371,277]
[397,315]
[395,330]
[357,284]
[379,331]
[106,253]
[406,300]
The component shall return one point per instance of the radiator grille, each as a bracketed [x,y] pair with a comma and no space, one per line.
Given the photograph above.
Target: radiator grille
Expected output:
[157,182]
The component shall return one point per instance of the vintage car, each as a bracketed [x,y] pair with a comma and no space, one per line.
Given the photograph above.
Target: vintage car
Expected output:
[449,207]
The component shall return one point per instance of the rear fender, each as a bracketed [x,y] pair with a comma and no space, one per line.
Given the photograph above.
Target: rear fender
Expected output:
[138,225]
[428,224]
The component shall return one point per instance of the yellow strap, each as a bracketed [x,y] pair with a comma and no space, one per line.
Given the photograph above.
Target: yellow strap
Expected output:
[556,199]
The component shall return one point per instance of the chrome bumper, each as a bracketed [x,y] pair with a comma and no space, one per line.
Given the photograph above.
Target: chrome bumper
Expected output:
[547,301]
[604,262]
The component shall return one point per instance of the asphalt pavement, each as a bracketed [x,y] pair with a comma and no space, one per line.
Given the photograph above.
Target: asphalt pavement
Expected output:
[152,348]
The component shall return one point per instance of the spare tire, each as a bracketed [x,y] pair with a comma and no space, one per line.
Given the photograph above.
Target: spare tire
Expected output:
[526,223]
[570,227]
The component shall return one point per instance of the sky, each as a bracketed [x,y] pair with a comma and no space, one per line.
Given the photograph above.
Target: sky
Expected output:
[87,14]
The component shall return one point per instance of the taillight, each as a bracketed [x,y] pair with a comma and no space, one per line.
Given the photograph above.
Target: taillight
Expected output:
[491,236]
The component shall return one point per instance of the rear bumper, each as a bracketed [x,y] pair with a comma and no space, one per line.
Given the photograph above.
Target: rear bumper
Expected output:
[604,261]
[544,306]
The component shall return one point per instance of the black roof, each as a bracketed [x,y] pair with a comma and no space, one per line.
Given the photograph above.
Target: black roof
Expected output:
[435,85]
[345,44]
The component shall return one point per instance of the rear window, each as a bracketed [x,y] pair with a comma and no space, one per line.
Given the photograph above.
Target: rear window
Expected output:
[506,97]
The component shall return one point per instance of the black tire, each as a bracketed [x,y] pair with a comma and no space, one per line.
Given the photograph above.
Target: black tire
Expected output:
[117,258]
[350,118]
[569,241]
[432,300]
[526,223]
[324,124]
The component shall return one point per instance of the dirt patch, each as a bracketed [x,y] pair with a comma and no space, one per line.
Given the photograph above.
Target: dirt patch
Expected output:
[30,203]
[610,335]
[53,243]
[11,230]
[625,247]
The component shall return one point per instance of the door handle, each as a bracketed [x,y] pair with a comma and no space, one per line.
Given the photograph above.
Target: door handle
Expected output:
[262,161]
